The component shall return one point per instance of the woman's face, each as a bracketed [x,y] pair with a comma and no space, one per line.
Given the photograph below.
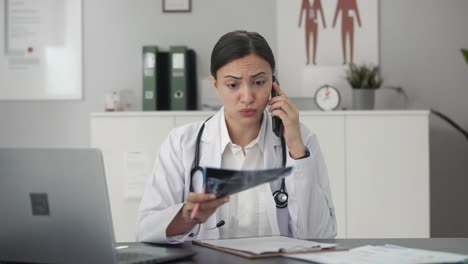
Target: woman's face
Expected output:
[244,86]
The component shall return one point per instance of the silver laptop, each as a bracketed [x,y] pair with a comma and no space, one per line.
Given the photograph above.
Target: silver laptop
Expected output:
[54,208]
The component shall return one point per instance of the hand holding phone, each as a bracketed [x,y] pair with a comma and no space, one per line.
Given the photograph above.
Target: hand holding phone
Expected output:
[277,124]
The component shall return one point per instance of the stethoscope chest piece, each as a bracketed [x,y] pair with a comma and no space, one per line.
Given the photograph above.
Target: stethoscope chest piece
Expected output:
[281,198]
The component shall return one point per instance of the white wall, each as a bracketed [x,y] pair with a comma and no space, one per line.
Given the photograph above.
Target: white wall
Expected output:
[420,42]
[420,50]
[114,31]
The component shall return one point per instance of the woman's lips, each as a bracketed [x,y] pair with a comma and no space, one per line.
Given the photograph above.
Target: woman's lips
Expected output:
[248,112]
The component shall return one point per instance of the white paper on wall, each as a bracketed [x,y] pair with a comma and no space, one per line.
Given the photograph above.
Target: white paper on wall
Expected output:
[41,49]
[137,170]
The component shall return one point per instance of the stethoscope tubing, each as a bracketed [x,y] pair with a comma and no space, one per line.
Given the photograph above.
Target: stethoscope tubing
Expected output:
[197,167]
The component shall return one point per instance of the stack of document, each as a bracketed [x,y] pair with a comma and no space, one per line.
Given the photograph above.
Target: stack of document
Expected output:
[388,254]
[265,246]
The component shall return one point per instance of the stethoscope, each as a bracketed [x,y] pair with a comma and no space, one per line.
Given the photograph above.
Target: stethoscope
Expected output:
[280,196]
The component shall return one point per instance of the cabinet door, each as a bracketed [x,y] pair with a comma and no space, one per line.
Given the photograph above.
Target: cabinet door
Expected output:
[130,146]
[330,132]
[181,120]
[387,175]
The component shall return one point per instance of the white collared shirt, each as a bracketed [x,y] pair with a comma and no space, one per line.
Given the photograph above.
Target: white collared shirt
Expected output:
[246,212]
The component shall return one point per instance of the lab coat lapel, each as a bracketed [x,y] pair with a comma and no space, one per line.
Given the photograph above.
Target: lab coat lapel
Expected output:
[272,159]
[272,149]
[211,141]
[210,156]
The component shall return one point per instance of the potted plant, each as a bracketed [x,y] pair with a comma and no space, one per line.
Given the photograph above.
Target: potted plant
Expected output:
[364,79]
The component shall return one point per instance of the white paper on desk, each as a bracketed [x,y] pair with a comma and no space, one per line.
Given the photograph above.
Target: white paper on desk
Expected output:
[268,244]
[387,254]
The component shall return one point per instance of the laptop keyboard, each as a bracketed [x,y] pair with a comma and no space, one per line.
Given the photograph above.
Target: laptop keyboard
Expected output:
[133,256]
[148,254]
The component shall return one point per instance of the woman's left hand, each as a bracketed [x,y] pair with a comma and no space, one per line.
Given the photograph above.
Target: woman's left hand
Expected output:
[282,107]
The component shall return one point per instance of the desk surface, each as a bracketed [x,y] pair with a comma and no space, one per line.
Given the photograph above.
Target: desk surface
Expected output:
[455,245]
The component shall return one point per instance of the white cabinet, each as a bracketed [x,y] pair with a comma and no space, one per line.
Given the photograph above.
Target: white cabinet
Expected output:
[378,163]
[387,175]
[184,119]
[330,132]
[127,141]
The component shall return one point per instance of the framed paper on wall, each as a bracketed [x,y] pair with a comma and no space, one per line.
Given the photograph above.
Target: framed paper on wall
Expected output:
[41,50]
[177,5]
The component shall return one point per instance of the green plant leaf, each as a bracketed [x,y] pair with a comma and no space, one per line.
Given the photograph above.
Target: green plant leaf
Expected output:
[465,54]
[364,76]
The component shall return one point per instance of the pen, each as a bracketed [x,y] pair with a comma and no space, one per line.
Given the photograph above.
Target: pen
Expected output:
[295,249]
[195,211]
[196,207]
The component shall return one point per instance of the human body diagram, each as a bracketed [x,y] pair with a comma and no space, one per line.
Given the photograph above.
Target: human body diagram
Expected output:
[311,10]
[311,26]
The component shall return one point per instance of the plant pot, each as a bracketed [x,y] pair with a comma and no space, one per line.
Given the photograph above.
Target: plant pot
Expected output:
[363,99]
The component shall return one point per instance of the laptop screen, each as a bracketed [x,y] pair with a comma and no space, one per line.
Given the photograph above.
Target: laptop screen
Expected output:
[54,208]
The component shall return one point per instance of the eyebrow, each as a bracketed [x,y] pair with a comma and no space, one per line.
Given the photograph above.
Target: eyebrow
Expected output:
[238,78]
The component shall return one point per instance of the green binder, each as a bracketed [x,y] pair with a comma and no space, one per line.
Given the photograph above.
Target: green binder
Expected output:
[178,78]
[183,90]
[150,78]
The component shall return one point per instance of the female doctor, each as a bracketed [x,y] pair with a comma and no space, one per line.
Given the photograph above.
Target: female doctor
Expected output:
[239,136]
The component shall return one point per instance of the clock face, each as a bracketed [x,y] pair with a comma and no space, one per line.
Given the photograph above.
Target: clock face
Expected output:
[327,98]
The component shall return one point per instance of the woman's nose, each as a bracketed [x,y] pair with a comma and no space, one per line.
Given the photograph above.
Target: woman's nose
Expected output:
[247,96]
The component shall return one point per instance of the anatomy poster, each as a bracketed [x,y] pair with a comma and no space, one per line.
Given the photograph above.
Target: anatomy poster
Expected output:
[317,35]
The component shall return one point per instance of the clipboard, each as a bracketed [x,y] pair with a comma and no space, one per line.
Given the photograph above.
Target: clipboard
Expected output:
[280,253]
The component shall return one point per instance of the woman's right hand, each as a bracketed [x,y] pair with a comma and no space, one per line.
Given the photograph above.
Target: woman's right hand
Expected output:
[182,222]
[208,205]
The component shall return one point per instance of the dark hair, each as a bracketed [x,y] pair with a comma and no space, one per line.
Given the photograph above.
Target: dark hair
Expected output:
[238,44]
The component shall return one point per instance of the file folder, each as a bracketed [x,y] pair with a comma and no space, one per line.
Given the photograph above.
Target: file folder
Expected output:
[149,78]
[183,91]
[267,246]
[155,79]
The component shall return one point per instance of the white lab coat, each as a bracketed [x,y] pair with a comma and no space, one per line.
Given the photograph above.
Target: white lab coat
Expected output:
[310,205]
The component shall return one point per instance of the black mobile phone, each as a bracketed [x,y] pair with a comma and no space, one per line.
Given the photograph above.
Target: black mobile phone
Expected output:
[277,124]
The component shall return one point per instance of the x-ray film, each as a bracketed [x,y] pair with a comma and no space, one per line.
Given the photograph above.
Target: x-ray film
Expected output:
[223,182]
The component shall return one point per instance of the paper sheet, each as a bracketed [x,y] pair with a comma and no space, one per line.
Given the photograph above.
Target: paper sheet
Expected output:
[137,170]
[388,254]
[259,245]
